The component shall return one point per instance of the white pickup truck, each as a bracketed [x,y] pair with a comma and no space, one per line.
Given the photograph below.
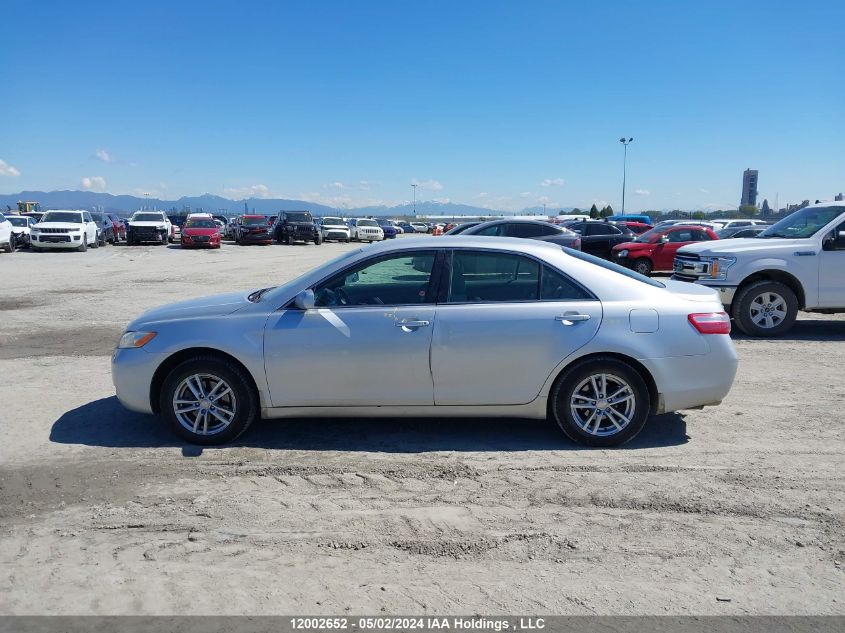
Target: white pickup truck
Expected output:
[796,264]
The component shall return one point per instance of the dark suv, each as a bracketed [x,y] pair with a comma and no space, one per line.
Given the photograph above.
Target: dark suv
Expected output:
[296,226]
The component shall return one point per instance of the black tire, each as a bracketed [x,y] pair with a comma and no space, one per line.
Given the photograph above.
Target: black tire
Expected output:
[762,298]
[318,240]
[643,266]
[246,399]
[96,242]
[289,239]
[565,389]
[10,247]
[102,239]
[84,246]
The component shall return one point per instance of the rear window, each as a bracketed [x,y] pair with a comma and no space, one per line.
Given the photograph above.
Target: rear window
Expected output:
[147,217]
[630,274]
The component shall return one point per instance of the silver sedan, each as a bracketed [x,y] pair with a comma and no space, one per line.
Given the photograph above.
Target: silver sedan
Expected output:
[459,326]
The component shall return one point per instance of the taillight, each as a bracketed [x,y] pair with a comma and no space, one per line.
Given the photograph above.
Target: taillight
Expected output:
[711,322]
[577,244]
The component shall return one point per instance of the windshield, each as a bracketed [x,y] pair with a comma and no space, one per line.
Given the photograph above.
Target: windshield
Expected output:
[254,221]
[17,221]
[200,224]
[62,216]
[298,217]
[332,221]
[603,263]
[804,223]
[649,236]
[367,223]
[147,217]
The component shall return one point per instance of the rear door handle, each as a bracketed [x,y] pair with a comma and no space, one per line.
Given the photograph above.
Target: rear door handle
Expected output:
[572,317]
[411,323]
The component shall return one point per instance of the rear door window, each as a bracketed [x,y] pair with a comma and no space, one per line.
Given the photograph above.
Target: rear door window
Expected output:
[482,277]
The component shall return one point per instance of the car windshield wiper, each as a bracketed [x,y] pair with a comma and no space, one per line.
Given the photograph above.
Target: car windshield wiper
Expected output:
[255,297]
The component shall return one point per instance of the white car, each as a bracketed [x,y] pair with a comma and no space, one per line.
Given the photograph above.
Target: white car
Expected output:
[471,326]
[365,230]
[729,224]
[65,229]
[795,264]
[149,226]
[334,229]
[21,227]
[7,238]
[420,227]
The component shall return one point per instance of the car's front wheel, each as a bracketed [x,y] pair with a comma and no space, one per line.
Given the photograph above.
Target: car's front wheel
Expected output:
[643,266]
[601,402]
[765,308]
[208,400]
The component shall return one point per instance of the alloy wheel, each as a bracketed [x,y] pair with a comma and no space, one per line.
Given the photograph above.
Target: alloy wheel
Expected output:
[204,404]
[603,404]
[768,310]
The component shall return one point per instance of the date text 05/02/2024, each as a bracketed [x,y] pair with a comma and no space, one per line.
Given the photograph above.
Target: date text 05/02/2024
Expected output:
[387,623]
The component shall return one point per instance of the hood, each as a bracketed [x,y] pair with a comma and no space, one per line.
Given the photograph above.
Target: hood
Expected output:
[67,226]
[691,291]
[335,226]
[633,245]
[199,231]
[147,223]
[744,245]
[217,305]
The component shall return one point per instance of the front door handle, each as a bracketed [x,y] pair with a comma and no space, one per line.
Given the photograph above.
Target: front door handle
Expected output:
[412,323]
[572,317]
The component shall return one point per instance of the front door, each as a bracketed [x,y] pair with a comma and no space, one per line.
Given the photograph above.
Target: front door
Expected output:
[504,328]
[366,343]
[831,277]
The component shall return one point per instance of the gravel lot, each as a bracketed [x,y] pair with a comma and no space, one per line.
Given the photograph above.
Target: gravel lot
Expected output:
[737,509]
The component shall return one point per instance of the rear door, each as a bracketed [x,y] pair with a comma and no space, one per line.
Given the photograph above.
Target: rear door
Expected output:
[831,277]
[505,323]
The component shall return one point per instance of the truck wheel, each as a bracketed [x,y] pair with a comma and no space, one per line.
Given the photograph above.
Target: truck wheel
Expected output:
[318,240]
[765,308]
[643,266]
[288,240]
[84,246]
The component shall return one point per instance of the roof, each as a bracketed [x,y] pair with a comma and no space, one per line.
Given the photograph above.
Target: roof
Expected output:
[463,241]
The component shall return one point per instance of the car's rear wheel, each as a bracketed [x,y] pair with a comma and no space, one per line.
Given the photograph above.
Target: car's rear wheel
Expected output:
[601,402]
[765,308]
[208,400]
[643,266]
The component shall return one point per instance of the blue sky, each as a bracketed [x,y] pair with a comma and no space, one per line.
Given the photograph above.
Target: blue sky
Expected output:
[500,104]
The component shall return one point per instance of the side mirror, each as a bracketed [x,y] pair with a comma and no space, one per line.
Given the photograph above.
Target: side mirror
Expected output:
[664,239]
[304,300]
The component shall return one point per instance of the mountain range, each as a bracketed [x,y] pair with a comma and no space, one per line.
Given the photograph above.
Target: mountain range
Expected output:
[124,204]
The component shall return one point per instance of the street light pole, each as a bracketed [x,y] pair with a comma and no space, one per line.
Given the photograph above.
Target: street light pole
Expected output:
[415,199]
[624,168]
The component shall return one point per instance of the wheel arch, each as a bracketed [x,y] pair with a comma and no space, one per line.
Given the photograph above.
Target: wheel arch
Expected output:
[645,374]
[176,358]
[774,274]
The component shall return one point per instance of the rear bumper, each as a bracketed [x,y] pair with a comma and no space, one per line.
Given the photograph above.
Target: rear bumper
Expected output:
[689,382]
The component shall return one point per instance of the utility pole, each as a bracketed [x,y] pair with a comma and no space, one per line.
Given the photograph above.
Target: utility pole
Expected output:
[415,198]
[624,168]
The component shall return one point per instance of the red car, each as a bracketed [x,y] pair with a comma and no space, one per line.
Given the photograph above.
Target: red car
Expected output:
[636,227]
[198,232]
[118,226]
[655,250]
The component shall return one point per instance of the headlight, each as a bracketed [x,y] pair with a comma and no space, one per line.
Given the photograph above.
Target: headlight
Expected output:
[162,226]
[34,230]
[135,339]
[719,266]
[623,253]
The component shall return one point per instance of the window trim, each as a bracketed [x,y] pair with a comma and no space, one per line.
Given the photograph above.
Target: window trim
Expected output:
[446,286]
[434,278]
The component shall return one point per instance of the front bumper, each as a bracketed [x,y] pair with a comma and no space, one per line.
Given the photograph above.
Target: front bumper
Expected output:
[57,241]
[726,292]
[335,234]
[257,238]
[132,373]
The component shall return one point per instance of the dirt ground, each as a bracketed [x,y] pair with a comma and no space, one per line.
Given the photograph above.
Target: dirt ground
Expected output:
[737,509]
